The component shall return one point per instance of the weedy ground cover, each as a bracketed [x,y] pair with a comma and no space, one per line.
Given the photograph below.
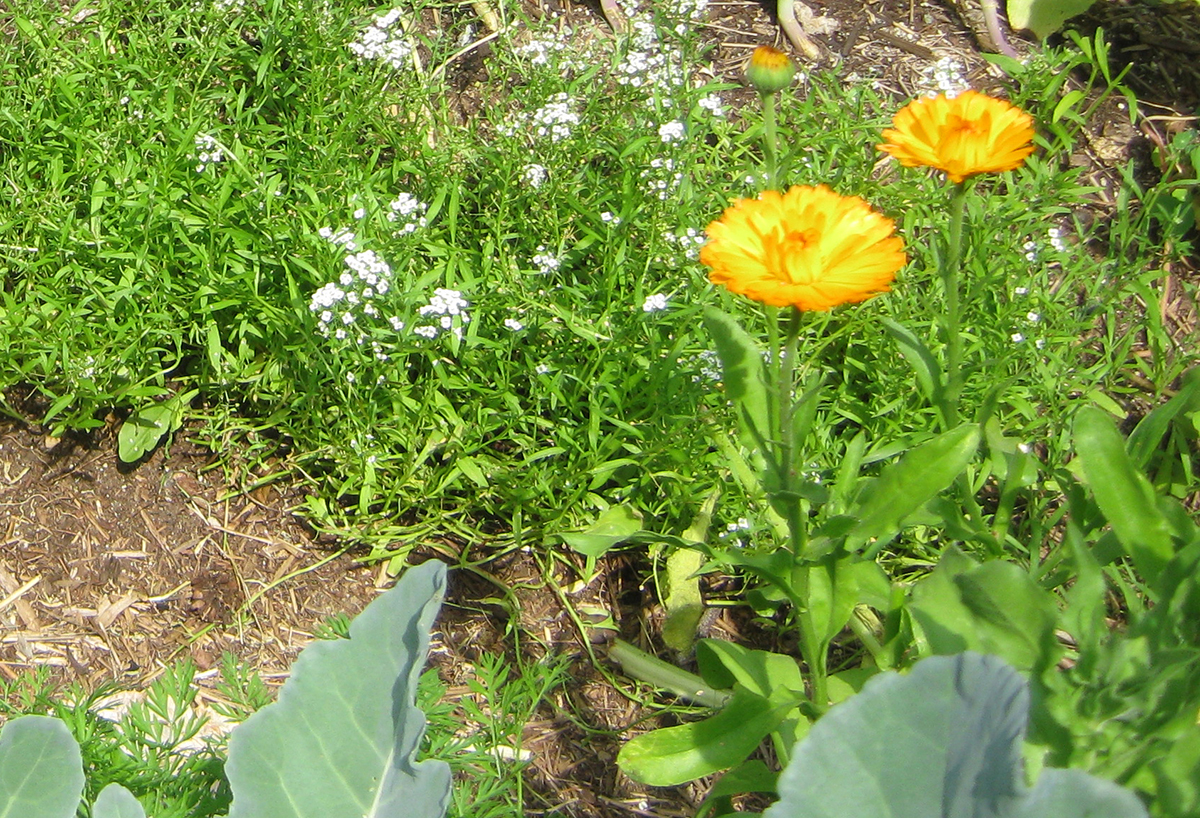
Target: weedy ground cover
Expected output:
[281,220]
[452,323]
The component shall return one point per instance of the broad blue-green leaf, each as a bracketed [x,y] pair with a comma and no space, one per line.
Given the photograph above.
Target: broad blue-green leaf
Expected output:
[906,485]
[1122,492]
[611,528]
[340,741]
[1075,794]
[944,740]
[41,770]
[1044,17]
[675,755]
[115,801]
[742,370]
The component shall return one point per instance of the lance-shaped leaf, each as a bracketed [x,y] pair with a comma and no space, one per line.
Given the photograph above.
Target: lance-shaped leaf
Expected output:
[1122,492]
[909,483]
[944,740]
[743,372]
[340,741]
[41,770]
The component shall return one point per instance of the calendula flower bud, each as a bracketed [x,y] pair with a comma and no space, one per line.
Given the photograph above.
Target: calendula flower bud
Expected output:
[770,70]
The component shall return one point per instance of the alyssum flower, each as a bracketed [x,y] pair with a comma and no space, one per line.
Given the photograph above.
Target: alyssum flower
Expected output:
[809,248]
[969,134]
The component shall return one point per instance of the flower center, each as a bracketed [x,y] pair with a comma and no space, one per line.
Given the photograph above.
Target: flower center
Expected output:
[790,254]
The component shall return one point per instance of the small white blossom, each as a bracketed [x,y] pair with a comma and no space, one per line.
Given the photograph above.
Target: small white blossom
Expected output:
[1021,291]
[712,104]
[513,324]
[546,262]
[534,175]
[426,332]
[671,131]
[654,303]
[541,369]
[1017,337]
[610,218]
[1032,317]
[208,152]
[1056,239]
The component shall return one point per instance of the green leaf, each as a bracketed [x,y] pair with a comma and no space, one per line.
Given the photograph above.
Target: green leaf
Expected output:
[926,367]
[683,601]
[906,485]
[115,801]
[995,608]
[743,372]
[142,431]
[675,755]
[1044,17]
[340,741]
[835,588]
[615,525]
[752,776]
[724,664]
[1122,492]
[41,769]
[944,740]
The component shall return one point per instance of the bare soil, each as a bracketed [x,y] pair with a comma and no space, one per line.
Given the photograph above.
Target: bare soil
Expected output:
[110,573]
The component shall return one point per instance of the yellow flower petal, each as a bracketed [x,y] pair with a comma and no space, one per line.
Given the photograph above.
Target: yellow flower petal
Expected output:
[809,248]
[962,136]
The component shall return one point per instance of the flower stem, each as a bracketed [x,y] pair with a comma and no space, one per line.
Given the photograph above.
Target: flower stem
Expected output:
[770,140]
[953,318]
[789,454]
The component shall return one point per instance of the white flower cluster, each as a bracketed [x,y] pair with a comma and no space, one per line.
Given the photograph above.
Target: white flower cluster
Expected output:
[661,177]
[534,175]
[409,211]
[208,152]
[671,131]
[339,303]
[1057,243]
[690,241]
[733,530]
[555,119]
[545,261]
[654,303]
[379,42]
[644,57]
[946,76]
[342,237]
[712,103]
[707,365]
[450,309]
[540,51]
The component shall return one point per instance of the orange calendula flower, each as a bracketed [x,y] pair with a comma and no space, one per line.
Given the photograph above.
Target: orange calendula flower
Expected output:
[969,134]
[808,248]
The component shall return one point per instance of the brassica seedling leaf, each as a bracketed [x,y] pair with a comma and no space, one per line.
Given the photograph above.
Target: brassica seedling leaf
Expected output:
[41,769]
[944,740]
[115,801]
[340,741]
